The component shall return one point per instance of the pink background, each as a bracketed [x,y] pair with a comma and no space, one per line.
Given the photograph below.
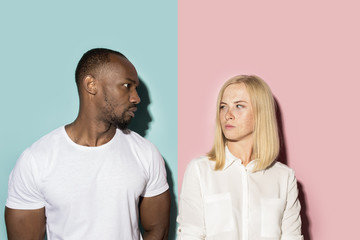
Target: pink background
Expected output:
[309,54]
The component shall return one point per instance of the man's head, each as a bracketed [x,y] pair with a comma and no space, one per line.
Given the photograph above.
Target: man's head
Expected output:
[107,83]
[92,61]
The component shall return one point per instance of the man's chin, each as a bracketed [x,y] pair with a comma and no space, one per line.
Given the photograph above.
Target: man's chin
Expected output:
[123,125]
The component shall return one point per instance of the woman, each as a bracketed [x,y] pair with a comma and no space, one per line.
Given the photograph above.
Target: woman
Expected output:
[239,191]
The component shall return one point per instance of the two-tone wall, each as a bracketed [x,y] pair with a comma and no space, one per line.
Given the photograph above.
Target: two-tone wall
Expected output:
[307,51]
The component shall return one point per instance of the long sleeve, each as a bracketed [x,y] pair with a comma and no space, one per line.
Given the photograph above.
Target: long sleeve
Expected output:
[291,223]
[191,209]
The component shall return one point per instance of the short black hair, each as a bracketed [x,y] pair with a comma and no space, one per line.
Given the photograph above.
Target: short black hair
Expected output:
[91,60]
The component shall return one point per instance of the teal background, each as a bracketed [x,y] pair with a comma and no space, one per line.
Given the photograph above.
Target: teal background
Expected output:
[41,43]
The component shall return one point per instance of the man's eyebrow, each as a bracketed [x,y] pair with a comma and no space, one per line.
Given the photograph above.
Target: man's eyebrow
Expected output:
[131,80]
[136,83]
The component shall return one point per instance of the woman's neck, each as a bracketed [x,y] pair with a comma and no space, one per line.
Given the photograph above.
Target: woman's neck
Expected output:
[241,150]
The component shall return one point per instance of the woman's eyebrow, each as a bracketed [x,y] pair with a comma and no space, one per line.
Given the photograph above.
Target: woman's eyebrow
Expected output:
[240,101]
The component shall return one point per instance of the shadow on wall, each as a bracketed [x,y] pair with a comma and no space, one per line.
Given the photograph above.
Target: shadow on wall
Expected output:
[140,124]
[283,159]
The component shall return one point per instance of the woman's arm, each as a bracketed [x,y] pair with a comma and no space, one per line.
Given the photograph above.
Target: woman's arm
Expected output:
[291,223]
[191,209]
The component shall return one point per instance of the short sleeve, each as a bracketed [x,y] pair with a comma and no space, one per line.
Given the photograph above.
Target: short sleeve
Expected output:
[157,182]
[291,223]
[23,189]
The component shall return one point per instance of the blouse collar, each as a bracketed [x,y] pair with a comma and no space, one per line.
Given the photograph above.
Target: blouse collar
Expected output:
[230,159]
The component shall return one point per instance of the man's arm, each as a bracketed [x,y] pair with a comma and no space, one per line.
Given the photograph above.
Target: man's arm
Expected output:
[25,224]
[155,215]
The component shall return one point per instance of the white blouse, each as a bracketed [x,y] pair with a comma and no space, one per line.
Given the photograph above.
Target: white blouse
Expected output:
[235,203]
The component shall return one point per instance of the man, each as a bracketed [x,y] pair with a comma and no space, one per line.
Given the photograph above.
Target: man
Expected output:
[88,179]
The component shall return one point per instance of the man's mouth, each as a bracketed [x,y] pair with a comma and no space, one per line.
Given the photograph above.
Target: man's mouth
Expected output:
[132,111]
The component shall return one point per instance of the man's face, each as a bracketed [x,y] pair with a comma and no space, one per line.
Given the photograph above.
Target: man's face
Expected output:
[118,97]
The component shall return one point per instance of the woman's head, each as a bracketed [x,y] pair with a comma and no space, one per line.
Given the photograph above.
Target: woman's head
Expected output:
[235,115]
[255,116]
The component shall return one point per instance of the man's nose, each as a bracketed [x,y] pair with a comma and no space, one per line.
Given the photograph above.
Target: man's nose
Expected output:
[134,97]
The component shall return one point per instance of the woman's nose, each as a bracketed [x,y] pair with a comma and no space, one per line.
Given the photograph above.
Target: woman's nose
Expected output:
[229,115]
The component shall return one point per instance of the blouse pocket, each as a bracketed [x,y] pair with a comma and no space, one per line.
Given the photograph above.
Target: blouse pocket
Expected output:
[272,210]
[218,213]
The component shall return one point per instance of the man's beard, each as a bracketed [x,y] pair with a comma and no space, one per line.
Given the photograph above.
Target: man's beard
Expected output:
[120,122]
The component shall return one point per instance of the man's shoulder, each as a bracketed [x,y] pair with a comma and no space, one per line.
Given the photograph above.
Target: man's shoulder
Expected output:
[46,141]
[139,147]
[38,153]
[133,138]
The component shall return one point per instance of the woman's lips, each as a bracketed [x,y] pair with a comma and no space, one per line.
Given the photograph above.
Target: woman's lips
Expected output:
[228,126]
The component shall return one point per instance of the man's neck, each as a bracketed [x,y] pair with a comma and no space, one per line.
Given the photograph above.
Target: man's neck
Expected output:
[90,133]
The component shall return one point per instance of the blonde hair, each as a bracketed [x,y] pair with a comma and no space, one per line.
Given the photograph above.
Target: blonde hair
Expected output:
[265,135]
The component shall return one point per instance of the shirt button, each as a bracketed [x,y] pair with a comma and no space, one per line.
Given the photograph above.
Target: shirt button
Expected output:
[179,229]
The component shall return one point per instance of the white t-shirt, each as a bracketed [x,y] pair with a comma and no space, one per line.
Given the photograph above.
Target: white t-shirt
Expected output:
[237,204]
[87,192]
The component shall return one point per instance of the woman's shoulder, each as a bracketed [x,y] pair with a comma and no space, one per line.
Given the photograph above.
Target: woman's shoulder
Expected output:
[202,162]
[199,160]
[281,169]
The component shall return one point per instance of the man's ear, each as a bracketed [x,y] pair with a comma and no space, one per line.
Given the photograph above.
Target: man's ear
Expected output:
[90,84]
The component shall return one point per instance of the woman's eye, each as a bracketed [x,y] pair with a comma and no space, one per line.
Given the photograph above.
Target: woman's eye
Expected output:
[222,107]
[239,106]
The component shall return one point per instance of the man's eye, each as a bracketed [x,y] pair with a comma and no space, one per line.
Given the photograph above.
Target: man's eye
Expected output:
[127,85]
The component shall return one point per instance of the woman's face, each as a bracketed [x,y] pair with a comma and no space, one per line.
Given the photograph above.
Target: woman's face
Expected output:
[236,114]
